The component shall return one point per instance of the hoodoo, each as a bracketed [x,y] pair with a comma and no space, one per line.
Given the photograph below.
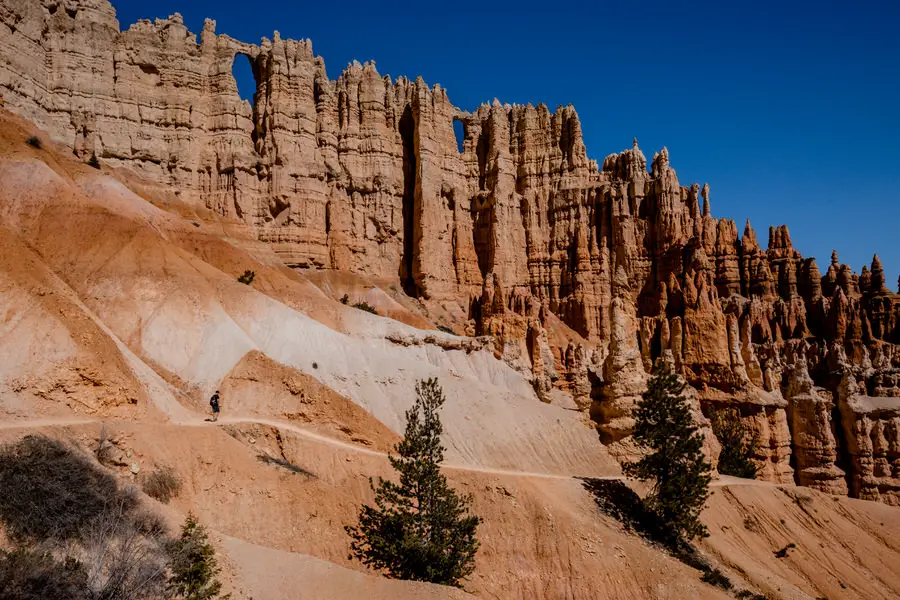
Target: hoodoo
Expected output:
[520,231]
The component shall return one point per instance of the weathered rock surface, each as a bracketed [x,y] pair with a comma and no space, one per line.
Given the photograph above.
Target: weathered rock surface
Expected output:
[815,447]
[518,227]
[872,425]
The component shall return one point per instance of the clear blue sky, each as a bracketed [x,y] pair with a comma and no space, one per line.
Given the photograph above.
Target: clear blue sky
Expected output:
[789,110]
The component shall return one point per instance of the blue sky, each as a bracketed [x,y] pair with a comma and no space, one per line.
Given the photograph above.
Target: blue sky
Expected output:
[789,110]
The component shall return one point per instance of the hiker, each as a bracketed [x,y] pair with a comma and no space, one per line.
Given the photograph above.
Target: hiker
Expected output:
[214,403]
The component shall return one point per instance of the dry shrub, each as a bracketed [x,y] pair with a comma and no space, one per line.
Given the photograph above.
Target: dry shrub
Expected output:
[162,484]
[124,555]
[366,307]
[94,541]
[30,574]
[52,491]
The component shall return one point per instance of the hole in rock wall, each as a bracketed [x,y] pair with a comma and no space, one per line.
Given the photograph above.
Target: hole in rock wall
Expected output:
[407,261]
[481,152]
[482,230]
[459,130]
[242,70]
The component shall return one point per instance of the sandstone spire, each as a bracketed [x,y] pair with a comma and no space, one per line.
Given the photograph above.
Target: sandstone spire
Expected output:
[877,285]
[365,174]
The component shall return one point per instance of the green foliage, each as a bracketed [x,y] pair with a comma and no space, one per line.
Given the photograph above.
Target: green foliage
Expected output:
[162,484]
[247,277]
[32,575]
[419,528]
[738,446]
[446,329]
[51,491]
[193,564]
[35,142]
[675,463]
[366,307]
[93,161]
[345,299]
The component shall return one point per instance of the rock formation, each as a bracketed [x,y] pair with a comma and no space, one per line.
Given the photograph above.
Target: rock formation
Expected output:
[518,228]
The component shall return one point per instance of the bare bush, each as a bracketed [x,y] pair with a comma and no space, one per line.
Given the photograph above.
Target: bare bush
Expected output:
[124,555]
[29,574]
[58,497]
[52,491]
[162,484]
[105,447]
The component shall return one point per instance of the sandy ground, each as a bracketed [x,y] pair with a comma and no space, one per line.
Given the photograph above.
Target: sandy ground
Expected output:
[122,314]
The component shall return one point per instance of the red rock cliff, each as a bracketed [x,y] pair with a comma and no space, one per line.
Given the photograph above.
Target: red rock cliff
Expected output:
[520,228]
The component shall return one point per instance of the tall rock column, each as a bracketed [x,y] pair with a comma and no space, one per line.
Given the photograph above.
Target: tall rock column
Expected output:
[815,449]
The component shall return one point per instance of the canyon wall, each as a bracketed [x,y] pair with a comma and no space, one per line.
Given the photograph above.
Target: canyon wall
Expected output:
[513,223]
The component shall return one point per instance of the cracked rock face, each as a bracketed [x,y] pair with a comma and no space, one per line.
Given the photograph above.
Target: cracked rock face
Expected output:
[512,222]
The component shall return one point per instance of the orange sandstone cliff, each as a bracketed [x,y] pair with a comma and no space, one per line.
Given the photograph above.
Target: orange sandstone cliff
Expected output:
[584,273]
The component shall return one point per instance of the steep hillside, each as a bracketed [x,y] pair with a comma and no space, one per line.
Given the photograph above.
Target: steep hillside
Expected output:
[582,273]
[537,286]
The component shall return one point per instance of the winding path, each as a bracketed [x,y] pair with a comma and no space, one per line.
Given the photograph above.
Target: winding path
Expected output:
[197,421]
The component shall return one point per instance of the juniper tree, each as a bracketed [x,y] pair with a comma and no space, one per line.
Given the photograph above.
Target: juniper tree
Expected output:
[675,463]
[193,564]
[738,446]
[419,528]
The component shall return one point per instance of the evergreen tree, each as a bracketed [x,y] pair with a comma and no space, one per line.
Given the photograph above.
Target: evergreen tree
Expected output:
[738,447]
[419,528]
[675,463]
[193,564]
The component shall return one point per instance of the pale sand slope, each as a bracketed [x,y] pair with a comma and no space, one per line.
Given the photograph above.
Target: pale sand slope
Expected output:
[278,575]
[188,318]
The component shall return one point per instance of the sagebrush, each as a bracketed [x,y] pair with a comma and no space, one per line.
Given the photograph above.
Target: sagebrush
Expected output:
[28,574]
[162,484]
[79,534]
[52,491]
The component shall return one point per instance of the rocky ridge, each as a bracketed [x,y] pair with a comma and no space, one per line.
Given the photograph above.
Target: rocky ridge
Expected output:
[520,229]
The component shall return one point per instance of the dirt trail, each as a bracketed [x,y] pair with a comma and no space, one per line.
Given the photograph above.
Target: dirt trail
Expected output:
[197,421]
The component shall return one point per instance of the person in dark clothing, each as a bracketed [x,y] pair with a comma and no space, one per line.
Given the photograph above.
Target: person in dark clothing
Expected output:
[214,403]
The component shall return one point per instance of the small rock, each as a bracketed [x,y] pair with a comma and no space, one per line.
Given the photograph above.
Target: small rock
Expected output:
[135,468]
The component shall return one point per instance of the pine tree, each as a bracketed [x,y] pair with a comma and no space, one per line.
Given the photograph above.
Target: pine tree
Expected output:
[193,564]
[738,448]
[419,528]
[675,463]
